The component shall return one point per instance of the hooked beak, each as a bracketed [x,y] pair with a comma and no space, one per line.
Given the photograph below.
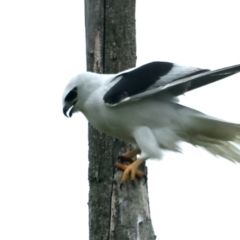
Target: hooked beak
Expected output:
[68,110]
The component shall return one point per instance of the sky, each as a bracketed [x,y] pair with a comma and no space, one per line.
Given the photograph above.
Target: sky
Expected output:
[43,157]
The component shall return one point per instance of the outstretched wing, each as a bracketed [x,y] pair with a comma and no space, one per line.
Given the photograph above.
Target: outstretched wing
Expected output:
[146,80]
[162,76]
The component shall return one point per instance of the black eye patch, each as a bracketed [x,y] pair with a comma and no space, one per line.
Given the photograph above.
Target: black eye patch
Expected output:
[71,95]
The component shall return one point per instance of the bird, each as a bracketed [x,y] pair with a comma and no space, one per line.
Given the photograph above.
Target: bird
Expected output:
[140,106]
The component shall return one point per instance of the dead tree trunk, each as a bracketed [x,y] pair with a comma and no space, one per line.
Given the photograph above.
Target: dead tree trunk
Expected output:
[110,48]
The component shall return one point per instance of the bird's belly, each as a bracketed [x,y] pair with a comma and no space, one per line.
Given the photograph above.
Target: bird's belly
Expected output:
[121,122]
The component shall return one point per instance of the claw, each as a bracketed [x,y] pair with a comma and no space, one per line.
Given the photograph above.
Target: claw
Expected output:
[131,170]
[138,173]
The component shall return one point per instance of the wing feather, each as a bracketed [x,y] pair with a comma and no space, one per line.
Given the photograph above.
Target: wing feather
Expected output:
[156,77]
[143,79]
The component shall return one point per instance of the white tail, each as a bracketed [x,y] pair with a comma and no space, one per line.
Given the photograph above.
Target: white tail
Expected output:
[217,136]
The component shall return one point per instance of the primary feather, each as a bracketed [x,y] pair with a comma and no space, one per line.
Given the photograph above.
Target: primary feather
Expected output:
[139,106]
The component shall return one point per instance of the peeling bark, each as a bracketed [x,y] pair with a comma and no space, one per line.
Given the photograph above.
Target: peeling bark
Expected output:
[110,48]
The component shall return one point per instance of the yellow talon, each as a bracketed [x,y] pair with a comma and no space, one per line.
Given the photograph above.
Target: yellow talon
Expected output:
[131,170]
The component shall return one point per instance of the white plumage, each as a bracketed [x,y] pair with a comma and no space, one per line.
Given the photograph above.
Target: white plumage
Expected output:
[142,109]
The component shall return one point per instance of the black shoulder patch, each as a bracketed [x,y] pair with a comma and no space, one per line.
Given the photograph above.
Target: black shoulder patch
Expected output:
[136,81]
[71,95]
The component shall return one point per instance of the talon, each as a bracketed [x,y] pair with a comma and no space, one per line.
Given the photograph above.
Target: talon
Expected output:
[122,167]
[131,170]
[133,184]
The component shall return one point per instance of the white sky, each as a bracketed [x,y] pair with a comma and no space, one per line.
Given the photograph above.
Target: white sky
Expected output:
[43,157]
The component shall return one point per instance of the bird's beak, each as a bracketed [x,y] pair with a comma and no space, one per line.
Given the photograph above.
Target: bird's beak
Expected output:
[68,110]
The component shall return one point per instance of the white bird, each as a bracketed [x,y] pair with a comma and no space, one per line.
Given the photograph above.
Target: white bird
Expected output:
[139,106]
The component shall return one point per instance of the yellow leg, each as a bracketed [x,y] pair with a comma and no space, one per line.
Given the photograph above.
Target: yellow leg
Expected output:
[131,154]
[133,171]
[123,167]
[128,157]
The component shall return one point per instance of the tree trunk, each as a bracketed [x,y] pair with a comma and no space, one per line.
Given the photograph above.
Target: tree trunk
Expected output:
[110,48]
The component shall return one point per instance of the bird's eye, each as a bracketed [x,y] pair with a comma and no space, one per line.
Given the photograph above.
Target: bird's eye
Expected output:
[71,95]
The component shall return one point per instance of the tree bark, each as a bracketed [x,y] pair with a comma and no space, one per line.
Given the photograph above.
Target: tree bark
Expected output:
[110,48]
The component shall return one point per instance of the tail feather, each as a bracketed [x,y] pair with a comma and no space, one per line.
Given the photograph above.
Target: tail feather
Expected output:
[226,150]
[218,137]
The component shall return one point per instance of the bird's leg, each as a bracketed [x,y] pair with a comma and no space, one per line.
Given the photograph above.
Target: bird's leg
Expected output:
[128,156]
[131,169]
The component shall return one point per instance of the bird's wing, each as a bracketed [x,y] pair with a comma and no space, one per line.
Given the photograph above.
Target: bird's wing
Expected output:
[161,76]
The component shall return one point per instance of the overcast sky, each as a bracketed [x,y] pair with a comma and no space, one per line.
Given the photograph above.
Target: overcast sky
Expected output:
[43,157]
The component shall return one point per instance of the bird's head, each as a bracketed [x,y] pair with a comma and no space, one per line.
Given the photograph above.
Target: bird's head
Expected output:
[72,97]
[69,102]
[77,92]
